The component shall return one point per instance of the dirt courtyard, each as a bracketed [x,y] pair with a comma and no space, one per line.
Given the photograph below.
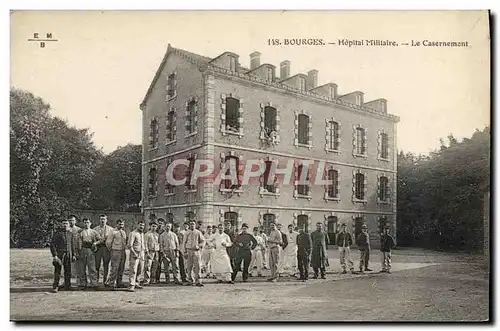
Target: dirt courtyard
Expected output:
[424,286]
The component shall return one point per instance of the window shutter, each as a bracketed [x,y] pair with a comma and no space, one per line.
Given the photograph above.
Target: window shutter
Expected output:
[338,134]
[354,184]
[241,170]
[262,121]
[310,130]
[354,140]
[223,114]
[389,189]
[365,141]
[365,186]
[388,148]
[379,143]
[337,185]
[174,126]
[296,129]
[309,178]
[325,173]
[195,124]
[379,182]
[221,216]
[277,125]
[327,134]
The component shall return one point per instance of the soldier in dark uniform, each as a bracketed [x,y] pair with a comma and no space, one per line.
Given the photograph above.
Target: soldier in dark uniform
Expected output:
[303,250]
[63,253]
[319,257]
[246,243]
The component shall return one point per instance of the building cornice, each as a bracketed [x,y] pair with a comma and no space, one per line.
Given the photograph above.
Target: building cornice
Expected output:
[308,95]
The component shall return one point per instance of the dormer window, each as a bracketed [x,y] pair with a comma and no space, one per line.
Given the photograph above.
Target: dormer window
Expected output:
[232,63]
[270,74]
[302,83]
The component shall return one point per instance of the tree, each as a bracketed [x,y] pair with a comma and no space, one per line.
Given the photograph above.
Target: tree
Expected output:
[117,183]
[440,195]
[51,166]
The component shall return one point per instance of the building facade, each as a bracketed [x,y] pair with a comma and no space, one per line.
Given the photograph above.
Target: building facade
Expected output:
[200,108]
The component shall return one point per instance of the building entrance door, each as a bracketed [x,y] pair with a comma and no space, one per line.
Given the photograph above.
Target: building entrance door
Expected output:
[331,229]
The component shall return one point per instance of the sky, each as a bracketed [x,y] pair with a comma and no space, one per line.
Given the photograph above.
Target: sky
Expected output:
[97,73]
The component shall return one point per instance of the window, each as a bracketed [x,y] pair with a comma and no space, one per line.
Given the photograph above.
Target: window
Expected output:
[333,188]
[383,188]
[358,223]
[334,135]
[231,217]
[269,185]
[303,221]
[382,223]
[331,229]
[169,218]
[152,182]
[303,129]
[302,83]
[170,130]
[171,86]
[232,115]
[360,186]
[270,116]
[302,188]
[267,220]
[189,174]
[191,117]
[169,188]
[190,216]
[153,133]
[270,74]
[360,141]
[384,148]
[331,93]
[232,63]
[231,162]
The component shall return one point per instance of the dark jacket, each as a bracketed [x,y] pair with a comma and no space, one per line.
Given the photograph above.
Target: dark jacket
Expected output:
[363,242]
[63,243]
[386,243]
[233,249]
[245,242]
[304,242]
[285,240]
[340,239]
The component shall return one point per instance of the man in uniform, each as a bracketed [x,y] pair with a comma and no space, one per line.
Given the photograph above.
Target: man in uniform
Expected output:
[87,240]
[208,251]
[275,240]
[257,253]
[246,243]
[75,229]
[152,249]
[386,244]
[344,241]
[102,254]
[319,241]
[180,253]
[137,246]
[161,228]
[363,242]
[62,249]
[193,241]
[169,246]
[303,250]
[117,243]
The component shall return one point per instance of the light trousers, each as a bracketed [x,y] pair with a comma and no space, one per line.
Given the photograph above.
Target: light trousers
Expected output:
[385,258]
[193,266]
[136,268]
[345,255]
[273,261]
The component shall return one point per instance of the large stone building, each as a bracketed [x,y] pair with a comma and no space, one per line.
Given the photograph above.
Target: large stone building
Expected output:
[213,108]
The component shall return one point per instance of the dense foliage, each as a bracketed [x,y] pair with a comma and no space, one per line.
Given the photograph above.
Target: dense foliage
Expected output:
[56,168]
[440,196]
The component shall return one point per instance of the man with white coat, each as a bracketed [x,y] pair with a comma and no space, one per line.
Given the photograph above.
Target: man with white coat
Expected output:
[220,262]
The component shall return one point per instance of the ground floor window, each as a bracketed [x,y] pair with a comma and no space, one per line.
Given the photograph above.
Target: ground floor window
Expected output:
[331,229]
[267,220]
[303,221]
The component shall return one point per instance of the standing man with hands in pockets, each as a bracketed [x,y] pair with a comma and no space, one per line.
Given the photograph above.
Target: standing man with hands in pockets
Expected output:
[193,242]
[137,248]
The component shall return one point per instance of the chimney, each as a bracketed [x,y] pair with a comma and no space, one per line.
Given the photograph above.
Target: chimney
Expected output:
[285,69]
[312,79]
[254,60]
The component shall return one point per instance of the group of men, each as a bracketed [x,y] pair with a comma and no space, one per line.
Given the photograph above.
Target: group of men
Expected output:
[219,252]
